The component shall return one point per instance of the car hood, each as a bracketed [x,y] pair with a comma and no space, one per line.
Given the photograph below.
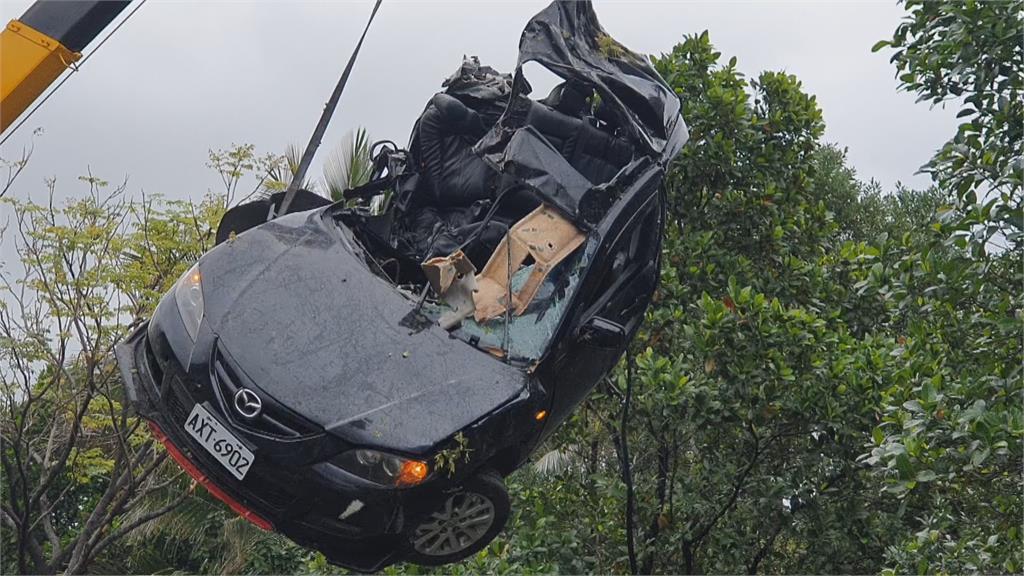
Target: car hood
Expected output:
[294,305]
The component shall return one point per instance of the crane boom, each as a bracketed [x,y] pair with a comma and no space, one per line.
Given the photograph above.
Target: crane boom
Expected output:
[48,38]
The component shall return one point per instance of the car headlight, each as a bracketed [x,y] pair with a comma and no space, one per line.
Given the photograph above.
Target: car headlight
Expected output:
[188,294]
[383,468]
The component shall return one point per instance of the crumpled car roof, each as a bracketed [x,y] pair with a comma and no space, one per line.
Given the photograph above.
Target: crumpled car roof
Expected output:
[567,38]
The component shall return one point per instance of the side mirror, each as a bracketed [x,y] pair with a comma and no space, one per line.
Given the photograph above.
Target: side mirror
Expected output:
[602,333]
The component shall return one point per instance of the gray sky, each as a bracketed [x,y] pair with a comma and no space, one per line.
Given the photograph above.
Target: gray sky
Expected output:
[183,77]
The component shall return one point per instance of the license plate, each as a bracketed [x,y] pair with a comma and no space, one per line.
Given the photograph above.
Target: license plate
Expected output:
[227,449]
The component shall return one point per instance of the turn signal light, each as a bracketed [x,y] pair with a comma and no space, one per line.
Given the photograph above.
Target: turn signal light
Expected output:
[413,472]
[540,415]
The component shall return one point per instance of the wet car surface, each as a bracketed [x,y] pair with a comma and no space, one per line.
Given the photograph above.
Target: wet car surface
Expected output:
[321,371]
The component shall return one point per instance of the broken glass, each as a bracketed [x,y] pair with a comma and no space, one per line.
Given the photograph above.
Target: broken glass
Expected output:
[528,334]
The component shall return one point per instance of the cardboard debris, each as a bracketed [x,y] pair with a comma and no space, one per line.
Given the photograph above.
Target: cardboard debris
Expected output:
[452,278]
[543,235]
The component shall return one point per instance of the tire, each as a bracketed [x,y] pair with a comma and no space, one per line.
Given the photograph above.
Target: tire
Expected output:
[432,542]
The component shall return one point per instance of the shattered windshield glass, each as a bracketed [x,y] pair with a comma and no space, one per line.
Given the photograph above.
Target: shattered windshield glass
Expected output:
[529,333]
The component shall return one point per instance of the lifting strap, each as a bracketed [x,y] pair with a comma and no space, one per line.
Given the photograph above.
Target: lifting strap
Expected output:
[325,119]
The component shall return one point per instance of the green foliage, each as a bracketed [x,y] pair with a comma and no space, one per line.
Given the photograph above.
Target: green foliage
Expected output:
[951,426]
[80,471]
[76,463]
[971,53]
[239,161]
[350,165]
[448,459]
[281,174]
[347,166]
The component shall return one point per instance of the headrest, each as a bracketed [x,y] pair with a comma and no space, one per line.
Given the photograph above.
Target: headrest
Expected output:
[570,98]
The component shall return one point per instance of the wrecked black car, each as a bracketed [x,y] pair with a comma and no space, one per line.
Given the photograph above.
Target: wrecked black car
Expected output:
[361,375]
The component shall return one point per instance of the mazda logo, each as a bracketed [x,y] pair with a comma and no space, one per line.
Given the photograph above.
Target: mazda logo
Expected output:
[247,403]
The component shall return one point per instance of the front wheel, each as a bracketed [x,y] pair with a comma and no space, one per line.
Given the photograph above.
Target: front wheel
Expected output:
[462,524]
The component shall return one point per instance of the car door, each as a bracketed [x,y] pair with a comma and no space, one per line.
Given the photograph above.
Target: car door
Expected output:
[612,309]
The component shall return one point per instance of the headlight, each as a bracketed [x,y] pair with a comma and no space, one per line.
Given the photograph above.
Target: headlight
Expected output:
[188,294]
[382,468]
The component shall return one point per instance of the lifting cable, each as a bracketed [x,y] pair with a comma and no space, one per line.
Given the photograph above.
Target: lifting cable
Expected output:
[74,68]
[325,119]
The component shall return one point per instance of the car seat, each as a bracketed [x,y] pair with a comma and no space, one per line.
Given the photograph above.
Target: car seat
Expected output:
[442,146]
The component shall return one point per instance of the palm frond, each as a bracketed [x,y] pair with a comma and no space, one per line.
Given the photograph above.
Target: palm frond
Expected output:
[349,165]
[293,156]
[553,463]
[280,176]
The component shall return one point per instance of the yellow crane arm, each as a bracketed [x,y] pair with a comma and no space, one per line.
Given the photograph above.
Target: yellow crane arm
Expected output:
[36,48]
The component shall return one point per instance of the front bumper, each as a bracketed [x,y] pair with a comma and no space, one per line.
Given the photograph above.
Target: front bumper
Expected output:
[287,489]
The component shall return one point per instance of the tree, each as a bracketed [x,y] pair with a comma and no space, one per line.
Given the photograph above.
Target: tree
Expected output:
[80,471]
[65,421]
[950,440]
[239,161]
[970,54]
[739,411]
[348,166]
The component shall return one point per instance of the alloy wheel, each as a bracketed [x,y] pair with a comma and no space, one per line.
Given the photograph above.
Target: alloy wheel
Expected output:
[461,522]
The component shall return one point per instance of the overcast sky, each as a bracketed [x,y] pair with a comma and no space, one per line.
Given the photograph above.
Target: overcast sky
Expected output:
[183,77]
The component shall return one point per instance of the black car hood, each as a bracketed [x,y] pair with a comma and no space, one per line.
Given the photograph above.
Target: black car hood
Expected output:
[295,306]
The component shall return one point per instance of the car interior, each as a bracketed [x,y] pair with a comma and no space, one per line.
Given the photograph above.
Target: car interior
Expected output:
[446,200]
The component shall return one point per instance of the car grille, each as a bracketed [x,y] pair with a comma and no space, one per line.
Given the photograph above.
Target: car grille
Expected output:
[274,420]
[262,482]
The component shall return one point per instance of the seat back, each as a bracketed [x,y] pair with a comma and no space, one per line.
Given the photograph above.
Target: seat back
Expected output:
[597,155]
[441,149]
